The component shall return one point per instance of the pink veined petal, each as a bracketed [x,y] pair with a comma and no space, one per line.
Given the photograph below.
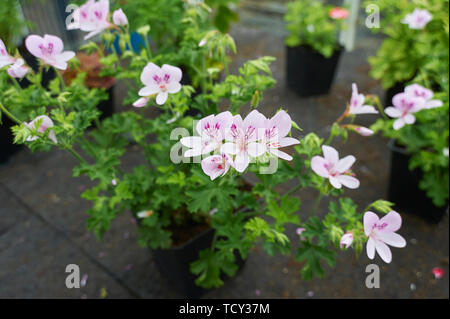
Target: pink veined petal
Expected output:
[393,112]
[345,164]
[370,248]
[398,124]
[192,141]
[229,148]
[161,98]
[318,165]
[281,154]
[392,239]
[409,119]
[201,124]
[335,182]
[173,87]
[393,221]
[224,120]
[369,220]
[256,149]
[433,103]
[241,162]
[283,123]
[384,251]
[149,72]
[32,43]
[213,166]
[288,141]
[58,45]
[175,73]
[255,119]
[330,154]
[348,181]
[419,91]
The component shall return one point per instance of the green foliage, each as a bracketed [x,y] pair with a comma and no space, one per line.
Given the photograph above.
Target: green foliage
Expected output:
[406,52]
[308,23]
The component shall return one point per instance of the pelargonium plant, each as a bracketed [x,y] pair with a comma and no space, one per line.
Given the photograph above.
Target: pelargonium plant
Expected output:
[418,121]
[314,24]
[193,173]
[417,41]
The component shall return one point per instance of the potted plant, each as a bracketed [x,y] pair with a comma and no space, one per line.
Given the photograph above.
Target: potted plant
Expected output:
[414,62]
[313,49]
[410,32]
[419,179]
[12,22]
[190,194]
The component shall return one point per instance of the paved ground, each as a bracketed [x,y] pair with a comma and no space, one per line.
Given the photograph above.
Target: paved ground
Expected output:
[42,218]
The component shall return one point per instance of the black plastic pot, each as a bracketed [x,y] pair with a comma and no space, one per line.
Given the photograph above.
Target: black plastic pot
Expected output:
[107,106]
[404,188]
[7,148]
[309,73]
[175,263]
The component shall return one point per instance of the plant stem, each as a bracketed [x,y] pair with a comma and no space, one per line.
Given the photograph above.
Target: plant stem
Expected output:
[213,244]
[293,190]
[317,203]
[76,155]
[12,117]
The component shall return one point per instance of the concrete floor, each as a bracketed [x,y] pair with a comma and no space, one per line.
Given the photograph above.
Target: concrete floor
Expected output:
[42,218]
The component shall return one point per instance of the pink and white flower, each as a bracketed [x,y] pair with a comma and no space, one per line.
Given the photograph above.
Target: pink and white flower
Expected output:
[404,107]
[119,18]
[346,240]
[381,233]
[91,17]
[337,171]
[45,123]
[5,58]
[49,49]
[18,69]
[419,91]
[275,135]
[338,13]
[211,132]
[418,19]
[216,165]
[243,140]
[160,81]
[357,105]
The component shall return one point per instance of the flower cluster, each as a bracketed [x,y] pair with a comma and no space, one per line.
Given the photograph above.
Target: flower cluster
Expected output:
[17,68]
[236,141]
[93,17]
[336,170]
[380,233]
[159,81]
[415,98]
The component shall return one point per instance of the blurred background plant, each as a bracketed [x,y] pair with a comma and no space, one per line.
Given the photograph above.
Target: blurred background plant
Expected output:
[308,22]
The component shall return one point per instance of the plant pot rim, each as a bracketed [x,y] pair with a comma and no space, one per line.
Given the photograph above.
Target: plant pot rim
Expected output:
[191,240]
[398,149]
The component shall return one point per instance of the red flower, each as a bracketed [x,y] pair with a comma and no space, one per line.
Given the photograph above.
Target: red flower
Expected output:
[338,13]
